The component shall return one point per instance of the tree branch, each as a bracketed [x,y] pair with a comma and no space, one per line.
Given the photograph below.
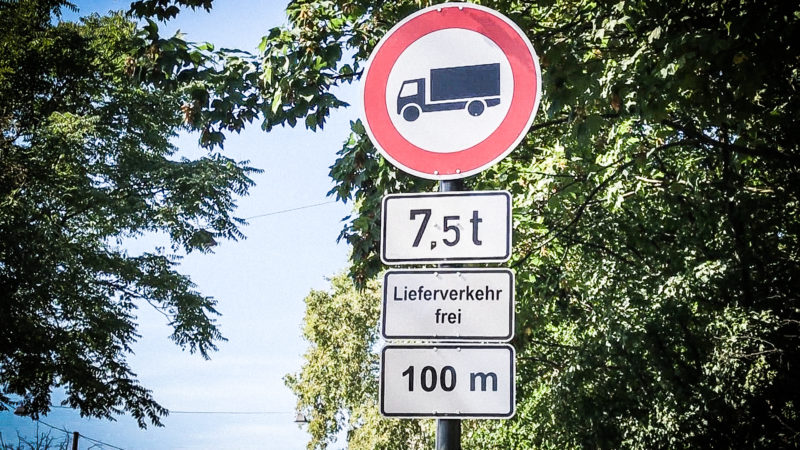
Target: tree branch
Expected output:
[549,123]
[554,344]
[761,152]
[602,248]
[555,233]
[541,360]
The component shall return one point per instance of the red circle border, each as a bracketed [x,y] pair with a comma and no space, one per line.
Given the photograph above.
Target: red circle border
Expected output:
[418,161]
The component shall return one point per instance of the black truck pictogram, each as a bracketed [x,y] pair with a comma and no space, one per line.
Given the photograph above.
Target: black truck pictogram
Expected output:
[472,87]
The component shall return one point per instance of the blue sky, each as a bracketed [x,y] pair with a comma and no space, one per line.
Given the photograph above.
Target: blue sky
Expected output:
[260,282]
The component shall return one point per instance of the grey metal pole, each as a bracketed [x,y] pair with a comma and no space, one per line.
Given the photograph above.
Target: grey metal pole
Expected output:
[451,185]
[448,431]
[448,434]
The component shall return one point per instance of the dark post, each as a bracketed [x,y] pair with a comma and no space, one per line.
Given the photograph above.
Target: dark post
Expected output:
[448,431]
[448,434]
[75,436]
[451,185]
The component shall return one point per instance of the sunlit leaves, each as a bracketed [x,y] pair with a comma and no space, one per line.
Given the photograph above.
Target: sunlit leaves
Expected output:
[655,222]
[88,111]
[337,386]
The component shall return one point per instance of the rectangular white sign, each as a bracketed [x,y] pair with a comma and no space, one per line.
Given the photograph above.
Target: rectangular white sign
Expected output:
[472,226]
[448,304]
[447,381]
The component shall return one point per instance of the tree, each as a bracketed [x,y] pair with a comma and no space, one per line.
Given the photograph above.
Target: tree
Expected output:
[338,386]
[42,441]
[655,214]
[87,112]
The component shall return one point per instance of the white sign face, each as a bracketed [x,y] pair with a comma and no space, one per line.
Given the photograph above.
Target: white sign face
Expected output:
[446,227]
[447,381]
[424,65]
[450,90]
[448,304]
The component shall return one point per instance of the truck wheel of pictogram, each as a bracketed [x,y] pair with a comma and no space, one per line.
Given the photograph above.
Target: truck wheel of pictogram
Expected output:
[411,113]
[475,108]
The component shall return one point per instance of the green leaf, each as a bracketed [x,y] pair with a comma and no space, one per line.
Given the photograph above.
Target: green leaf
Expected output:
[277,101]
[311,122]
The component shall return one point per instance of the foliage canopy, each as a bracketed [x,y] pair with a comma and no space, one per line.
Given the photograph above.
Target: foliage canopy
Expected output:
[655,214]
[86,161]
[656,225]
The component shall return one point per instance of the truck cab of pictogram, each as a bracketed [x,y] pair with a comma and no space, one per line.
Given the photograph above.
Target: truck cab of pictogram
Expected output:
[473,87]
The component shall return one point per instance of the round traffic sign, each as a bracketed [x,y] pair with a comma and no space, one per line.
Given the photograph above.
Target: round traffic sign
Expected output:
[450,90]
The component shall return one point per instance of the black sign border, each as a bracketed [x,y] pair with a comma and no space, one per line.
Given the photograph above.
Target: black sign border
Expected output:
[512,384]
[498,259]
[511,312]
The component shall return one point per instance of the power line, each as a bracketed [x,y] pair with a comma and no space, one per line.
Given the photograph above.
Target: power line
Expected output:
[231,412]
[98,442]
[81,435]
[289,210]
[208,412]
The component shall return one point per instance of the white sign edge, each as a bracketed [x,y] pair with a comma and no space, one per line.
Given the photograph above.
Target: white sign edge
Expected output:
[513,385]
[400,262]
[450,339]
[454,176]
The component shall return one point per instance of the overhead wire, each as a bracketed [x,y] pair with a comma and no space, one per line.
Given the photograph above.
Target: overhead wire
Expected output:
[64,430]
[289,210]
[231,412]
[102,443]
[96,441]
[208,412]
